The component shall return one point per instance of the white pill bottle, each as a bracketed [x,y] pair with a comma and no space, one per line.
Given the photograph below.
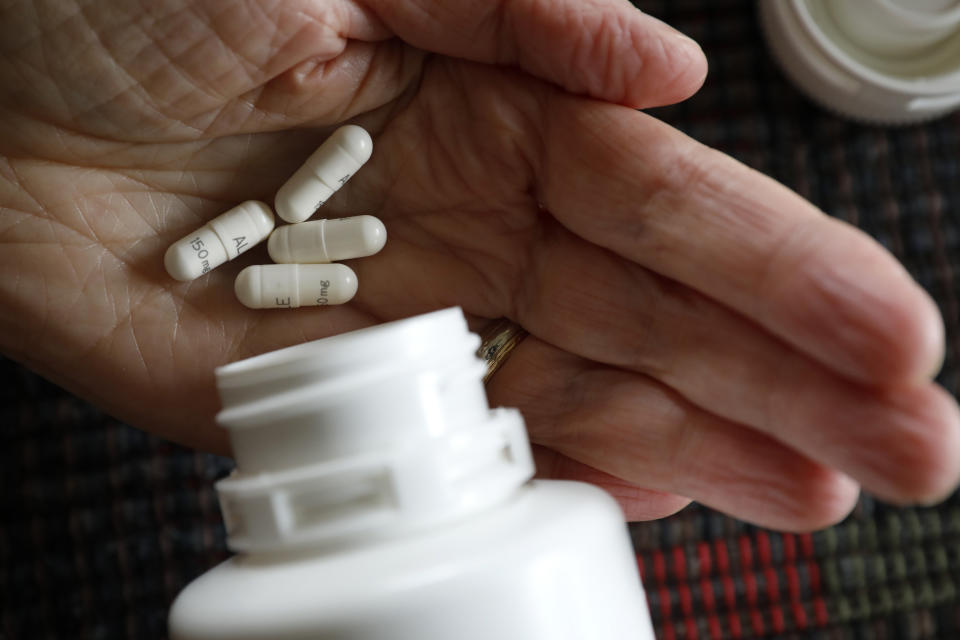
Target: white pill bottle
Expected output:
[377,497]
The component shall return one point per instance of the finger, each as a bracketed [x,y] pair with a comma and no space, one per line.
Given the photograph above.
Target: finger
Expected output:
[633,428]
[630,183]
[902,444]
[637,503]
[604,48]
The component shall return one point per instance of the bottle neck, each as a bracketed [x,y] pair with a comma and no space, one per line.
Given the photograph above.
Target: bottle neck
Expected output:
[366,435]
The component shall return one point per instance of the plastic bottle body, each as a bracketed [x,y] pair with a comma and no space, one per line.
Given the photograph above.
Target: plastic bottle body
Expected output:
[554,562]
[377,496]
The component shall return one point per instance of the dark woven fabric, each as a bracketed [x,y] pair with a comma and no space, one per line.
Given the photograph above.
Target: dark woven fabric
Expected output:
[100,525]
[883,573]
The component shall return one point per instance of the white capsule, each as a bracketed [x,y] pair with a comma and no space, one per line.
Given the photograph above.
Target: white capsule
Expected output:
[320,241]
[288,286]
[328,169]
[222,239]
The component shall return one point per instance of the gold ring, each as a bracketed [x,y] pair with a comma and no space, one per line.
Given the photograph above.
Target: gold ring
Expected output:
[497,340]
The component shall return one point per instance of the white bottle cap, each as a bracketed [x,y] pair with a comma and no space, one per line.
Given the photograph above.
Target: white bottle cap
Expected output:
[366,434]
[883,61]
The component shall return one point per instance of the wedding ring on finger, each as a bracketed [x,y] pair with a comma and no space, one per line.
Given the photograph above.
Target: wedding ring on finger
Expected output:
[497,340]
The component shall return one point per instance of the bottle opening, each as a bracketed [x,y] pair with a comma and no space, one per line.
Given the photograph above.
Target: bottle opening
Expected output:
[373,432]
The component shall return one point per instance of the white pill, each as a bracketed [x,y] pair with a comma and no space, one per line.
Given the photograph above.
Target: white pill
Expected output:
[288,286]
[321,241]
[222,239]
[328,169]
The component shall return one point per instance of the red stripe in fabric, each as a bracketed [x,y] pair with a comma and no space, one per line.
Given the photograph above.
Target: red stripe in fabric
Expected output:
[679,565]
[814,570]
[800,616]
[793,588]
[793,583]
[686,600]
[746,562]
[773,593]
[659,567]
[770,577]
[763,548]
[664,604]
[776,619]
[820,611]
[729,594]
[750,588]
[705,562]
[709,602]
[668,631]
[710,606]
[793,580]
[716,631]
[683,589]
[773,586]
[756,621]
[736,631]
[819,607]
[704,559]
[746,552]
[723,560]
[729,590]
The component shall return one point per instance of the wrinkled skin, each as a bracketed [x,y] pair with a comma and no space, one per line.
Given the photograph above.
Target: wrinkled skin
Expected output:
[696,329]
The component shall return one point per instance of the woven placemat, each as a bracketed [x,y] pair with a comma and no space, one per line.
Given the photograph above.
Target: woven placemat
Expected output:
[101,525]
[883,573]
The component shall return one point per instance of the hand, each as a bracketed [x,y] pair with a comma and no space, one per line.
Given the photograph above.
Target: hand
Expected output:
[697,329]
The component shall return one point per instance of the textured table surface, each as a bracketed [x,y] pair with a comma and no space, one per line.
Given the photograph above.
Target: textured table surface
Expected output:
[101,525]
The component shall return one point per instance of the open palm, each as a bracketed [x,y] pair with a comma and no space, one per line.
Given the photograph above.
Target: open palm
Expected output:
[696,329]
